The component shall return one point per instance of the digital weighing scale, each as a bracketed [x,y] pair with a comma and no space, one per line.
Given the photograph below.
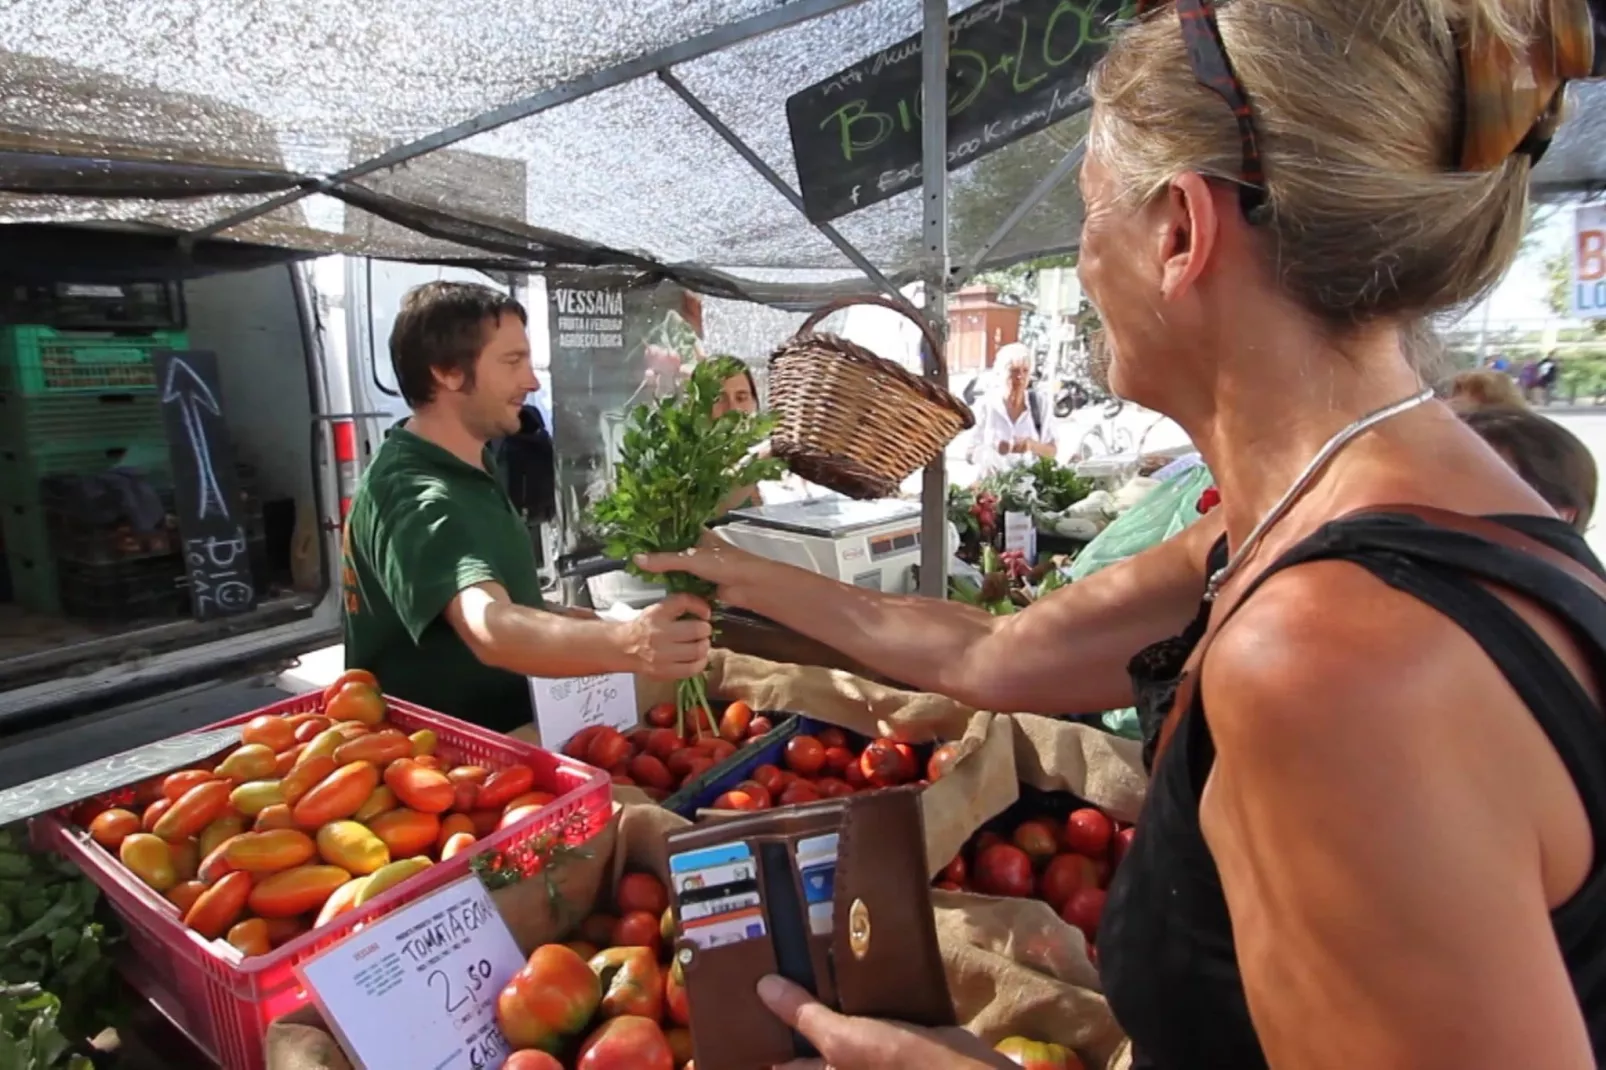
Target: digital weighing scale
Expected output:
[873,544]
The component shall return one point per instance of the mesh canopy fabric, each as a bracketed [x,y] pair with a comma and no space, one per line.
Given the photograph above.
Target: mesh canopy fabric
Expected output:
[256,96]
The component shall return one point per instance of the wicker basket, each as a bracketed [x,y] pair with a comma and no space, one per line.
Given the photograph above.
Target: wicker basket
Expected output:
[851,421]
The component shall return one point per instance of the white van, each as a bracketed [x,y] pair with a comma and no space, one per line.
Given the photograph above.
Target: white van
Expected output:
[302,420]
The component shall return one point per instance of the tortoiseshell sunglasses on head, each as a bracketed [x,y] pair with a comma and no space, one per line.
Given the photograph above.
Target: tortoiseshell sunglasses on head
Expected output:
[1207,54]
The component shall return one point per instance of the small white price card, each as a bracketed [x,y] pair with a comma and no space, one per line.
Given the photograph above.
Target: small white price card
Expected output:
[1020,533]
[564,706]
[418,987]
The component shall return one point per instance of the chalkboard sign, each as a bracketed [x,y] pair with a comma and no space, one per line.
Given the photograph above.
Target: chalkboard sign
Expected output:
[217,559]
[108,774]
[1014,67]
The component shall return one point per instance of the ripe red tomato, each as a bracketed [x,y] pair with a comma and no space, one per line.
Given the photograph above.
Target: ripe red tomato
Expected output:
[855,777]
[551,998]
[643,892]
[1065,876]
[760,727]
[1003,870]
[638,928]
[942,759]
[679,761]
[987,839]
[650,772]
[661,743]
[719,749]
[608,749]
[530,1059]
[1088,832]
[771,777]
[1083,910]
[699,765]
[627,1043]
[884,765]
[837,760]
[797,793]
[1122,843]
[954,871]
[805,755]
[1037,839]
[832,737]
[830,787]
[662,715]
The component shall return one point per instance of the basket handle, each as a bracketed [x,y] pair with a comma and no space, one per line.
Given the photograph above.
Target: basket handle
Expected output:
[838,304]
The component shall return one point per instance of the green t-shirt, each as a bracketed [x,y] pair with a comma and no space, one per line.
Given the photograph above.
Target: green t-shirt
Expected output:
[424,525]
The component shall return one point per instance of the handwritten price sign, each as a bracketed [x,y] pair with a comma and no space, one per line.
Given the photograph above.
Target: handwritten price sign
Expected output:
[419,986]
[564,706]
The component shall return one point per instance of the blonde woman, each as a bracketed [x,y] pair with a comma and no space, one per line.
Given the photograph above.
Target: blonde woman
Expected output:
[1375,834]
[1014,422]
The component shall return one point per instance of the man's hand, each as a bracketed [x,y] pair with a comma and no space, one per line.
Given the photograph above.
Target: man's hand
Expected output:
[867,1044]
[670,640]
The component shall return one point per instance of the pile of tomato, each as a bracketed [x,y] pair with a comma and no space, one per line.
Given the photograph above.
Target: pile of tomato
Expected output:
[1066,863]
[831,764]
[312,815]
[609,1000]
[660,759]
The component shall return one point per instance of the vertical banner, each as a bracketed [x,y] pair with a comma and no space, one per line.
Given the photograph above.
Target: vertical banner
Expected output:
[1588,282]
[601,325]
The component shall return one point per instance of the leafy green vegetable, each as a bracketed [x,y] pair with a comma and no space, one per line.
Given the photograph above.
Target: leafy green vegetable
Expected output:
[51,935]
[677,466]
[31,1037]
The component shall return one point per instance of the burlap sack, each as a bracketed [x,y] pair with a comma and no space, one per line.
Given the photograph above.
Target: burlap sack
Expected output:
[837,697]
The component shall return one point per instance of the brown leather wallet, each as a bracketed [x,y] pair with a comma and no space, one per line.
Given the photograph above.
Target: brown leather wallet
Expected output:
[832,895]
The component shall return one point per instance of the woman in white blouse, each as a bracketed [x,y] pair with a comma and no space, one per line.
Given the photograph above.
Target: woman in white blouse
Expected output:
[1014,424]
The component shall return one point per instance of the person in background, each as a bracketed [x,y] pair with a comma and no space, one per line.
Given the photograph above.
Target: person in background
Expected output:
[1548,456]
[1483,389]
[740,394]
[1014,423]
[442,597]
[1371,835]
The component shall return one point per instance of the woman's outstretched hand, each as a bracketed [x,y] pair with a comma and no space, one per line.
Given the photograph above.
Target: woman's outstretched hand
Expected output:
[712,559]
[868,1044]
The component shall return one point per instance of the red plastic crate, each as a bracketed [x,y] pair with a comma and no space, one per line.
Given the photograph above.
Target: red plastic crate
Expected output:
[224,1002]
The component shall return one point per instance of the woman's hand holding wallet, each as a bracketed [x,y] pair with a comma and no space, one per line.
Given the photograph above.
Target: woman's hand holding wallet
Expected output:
[846,1043]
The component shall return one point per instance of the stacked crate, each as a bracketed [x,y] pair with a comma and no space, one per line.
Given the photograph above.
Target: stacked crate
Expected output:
[78,403]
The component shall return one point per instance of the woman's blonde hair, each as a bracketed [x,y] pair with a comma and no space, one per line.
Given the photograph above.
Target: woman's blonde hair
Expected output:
[1357,106]
[1484,389]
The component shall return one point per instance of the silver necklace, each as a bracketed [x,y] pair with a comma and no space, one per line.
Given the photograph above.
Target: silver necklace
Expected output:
[1344,437]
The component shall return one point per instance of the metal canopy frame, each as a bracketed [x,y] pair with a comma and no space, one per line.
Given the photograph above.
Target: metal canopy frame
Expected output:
[938,276]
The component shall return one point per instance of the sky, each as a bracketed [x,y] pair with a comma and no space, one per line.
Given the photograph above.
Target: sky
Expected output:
[1520,297]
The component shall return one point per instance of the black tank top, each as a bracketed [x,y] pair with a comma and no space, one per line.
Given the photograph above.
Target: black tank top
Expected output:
[1166,950]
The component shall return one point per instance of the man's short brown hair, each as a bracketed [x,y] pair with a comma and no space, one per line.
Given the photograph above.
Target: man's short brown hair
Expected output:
[1550,458]
[443,326]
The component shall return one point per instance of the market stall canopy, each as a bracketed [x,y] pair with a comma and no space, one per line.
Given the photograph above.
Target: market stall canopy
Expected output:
[175,116]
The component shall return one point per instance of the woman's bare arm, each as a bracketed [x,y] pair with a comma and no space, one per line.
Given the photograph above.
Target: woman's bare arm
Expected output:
[1065,654]
[1381,861]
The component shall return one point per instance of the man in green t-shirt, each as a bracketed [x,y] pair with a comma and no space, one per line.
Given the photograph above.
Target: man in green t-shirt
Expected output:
[443,599]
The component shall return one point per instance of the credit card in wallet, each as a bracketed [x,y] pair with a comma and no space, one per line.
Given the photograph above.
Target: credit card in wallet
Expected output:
[816,868]
[717,890]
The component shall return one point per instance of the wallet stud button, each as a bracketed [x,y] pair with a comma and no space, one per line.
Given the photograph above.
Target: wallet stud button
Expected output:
[684,956]
[859,929]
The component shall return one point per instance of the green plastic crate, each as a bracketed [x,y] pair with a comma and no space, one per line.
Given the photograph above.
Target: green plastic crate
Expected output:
[34,583]
[34,425]
[40,361]
[21,471]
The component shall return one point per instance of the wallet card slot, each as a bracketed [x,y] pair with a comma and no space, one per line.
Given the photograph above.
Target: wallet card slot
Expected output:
[731,1029]
[789,924]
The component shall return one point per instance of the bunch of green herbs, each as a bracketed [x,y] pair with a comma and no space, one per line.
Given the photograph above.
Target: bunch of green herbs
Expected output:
[677,466]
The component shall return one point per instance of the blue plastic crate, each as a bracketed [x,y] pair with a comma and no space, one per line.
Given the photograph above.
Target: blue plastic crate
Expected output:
[770,750]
